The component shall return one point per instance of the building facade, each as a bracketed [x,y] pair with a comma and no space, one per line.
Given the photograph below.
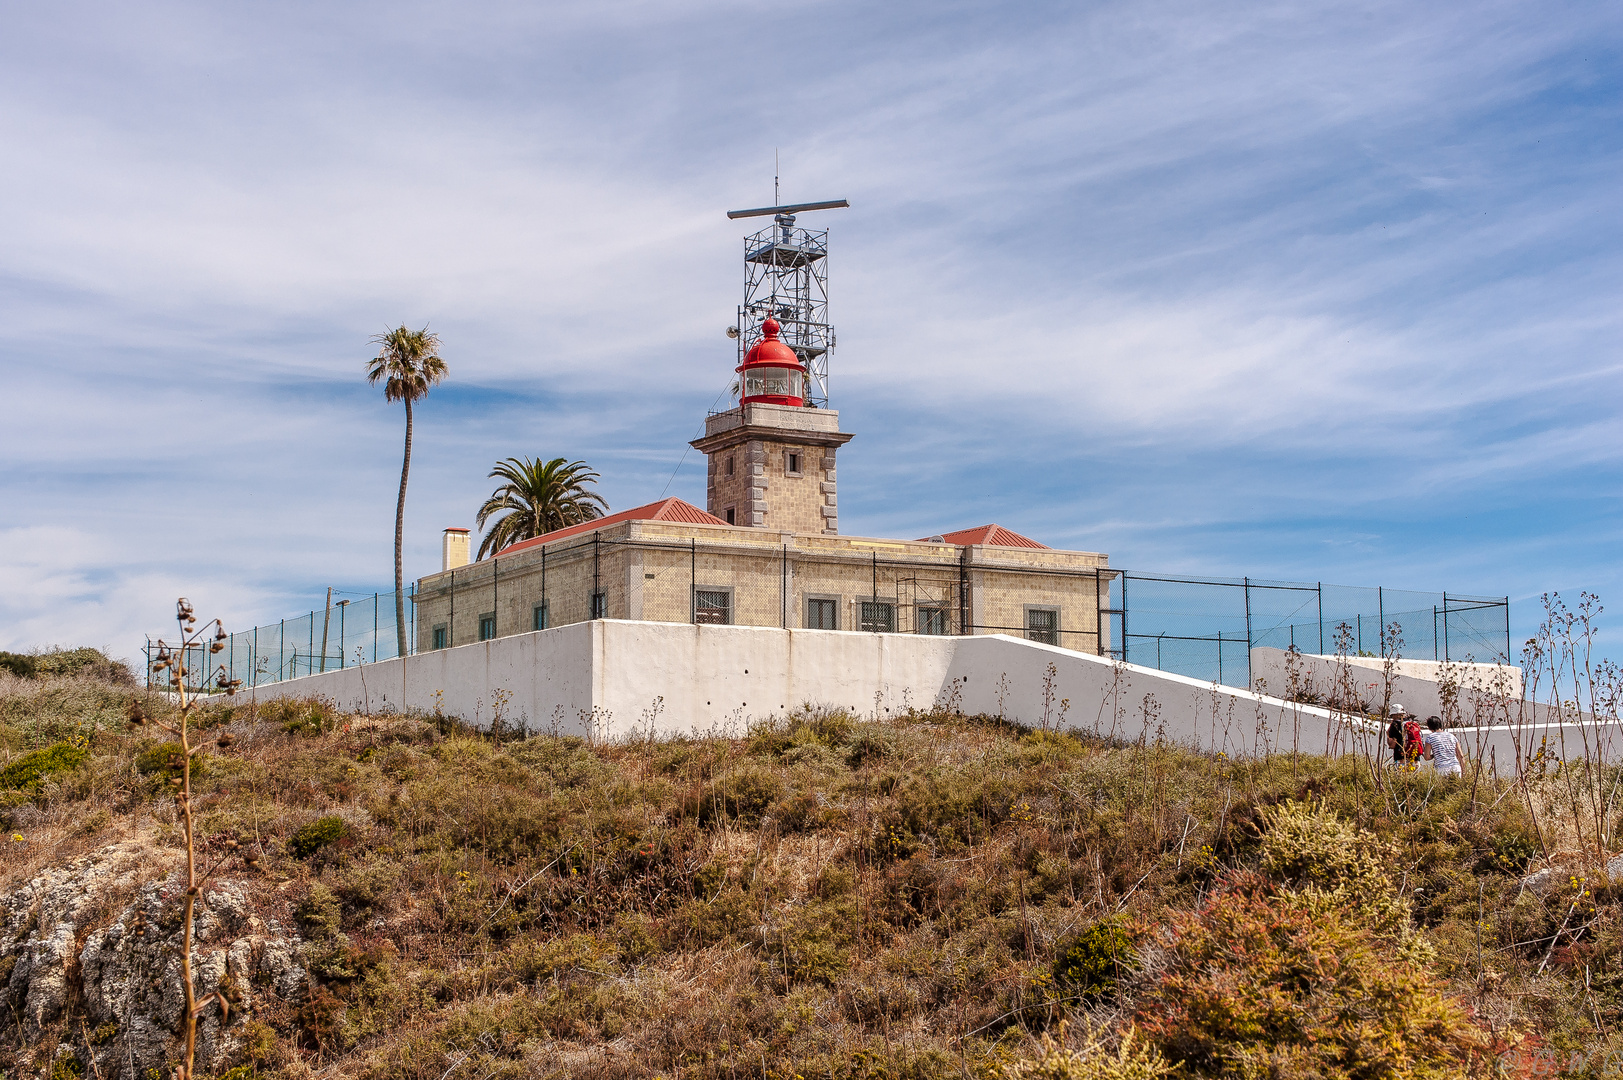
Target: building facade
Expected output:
[671,562]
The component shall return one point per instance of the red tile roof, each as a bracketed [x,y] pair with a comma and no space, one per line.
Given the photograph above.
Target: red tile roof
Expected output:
[996,535]
[672,509]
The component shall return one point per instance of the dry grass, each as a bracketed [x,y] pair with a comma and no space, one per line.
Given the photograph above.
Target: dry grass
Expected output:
[824,897]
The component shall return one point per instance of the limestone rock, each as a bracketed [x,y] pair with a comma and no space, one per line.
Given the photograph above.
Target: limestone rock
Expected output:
[108,925]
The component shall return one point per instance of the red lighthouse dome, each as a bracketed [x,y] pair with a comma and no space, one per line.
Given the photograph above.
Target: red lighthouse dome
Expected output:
[771,373]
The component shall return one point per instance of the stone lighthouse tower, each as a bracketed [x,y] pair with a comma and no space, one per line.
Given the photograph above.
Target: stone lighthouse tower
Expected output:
[772,457]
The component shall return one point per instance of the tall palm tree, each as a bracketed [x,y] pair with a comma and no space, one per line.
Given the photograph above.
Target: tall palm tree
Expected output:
[407,364]
[542,495]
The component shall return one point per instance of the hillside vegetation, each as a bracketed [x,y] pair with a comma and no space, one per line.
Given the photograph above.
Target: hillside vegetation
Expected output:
[820,896]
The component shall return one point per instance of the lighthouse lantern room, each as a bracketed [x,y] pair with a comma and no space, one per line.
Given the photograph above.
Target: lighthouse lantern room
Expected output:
[772,373]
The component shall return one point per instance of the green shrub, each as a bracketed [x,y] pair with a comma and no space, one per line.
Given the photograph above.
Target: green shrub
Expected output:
[17,664]
[66,662]
[1510,852]
[319,914]
[30,771]
[307,718]
[315,836]
[1261,982]
[164,761]
[742,796]
[1333,863]
[1091,963]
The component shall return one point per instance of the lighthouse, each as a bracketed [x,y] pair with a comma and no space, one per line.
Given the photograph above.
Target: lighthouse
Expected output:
[771,456]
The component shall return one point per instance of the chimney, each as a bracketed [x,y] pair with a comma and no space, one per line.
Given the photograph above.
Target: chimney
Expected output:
[454,549]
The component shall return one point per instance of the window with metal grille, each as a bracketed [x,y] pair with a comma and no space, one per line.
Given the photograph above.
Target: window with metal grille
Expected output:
[822,614]
[932,620]
[599,605]
[439,637]
[1042,624]
[712,607]
[487,627]
[792,463]
[878,617]
[541,616]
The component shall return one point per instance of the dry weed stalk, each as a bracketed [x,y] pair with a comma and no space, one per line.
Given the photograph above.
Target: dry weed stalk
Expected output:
[173,660]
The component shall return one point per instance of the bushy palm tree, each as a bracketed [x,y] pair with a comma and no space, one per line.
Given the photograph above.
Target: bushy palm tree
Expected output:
[542,495]
[407,364]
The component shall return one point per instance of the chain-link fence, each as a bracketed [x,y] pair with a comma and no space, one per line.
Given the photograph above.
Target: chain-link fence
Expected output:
[1200,627]
[348,633]
[1206,627]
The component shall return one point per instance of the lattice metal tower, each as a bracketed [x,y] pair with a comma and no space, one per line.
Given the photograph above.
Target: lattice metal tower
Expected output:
[786,278]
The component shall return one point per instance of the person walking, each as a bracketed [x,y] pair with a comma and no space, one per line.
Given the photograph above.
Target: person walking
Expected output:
[1403,736]
[1441,748]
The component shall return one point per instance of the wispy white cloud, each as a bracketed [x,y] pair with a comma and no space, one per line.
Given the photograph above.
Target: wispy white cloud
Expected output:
[1211,286]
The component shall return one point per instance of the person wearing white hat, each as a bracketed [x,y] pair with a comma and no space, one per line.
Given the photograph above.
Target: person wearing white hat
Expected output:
[1403,736]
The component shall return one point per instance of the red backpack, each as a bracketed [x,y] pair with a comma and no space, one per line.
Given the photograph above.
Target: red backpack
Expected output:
[1411,737]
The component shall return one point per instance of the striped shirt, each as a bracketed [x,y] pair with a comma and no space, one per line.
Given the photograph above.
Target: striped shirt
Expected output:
[1444,751]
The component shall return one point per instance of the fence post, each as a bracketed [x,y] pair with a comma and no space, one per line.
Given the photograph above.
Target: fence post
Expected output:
[495,604]
[375,626]
[1247,633]
[1445,625]
[1507,629]
[1124,623]
[1320,590]
[597,556]
[693,579]
[450,632]
[1380,604]
[253,662]
[281,649]
[783,589]
[343,606]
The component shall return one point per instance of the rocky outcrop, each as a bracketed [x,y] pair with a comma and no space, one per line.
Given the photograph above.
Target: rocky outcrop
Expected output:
[93,952]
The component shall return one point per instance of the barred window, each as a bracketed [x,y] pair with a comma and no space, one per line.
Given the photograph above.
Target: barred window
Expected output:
[822,614]
[439,637]
[878,617]
[712,607]
[933,620]
[599,605]
[540,616]
[1042,624]
[487,627]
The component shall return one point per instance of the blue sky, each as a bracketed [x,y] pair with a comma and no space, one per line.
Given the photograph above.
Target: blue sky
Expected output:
[1318,292]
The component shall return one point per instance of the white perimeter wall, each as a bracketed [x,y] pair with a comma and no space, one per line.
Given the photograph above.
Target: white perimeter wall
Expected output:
[610,679]
[1415,683]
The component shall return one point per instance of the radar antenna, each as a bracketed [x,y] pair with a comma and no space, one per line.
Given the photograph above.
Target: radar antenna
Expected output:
[786,278]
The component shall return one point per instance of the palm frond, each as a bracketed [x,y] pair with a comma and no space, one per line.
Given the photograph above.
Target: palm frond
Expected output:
[408,363]
[540,497]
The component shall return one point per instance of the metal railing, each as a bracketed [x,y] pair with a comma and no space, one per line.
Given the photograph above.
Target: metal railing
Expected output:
[1204,628]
